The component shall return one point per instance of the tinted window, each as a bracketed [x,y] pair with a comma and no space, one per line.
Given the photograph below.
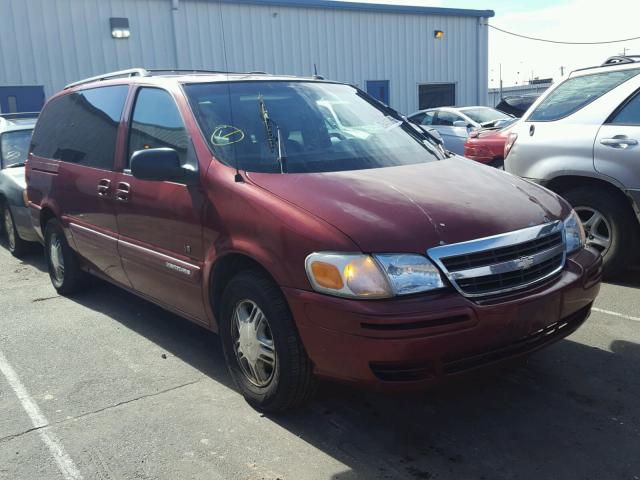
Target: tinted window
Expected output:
[156,123]
[446,118]
[575,93]
[14,147]
[630,113]
[297,127]
[81,127]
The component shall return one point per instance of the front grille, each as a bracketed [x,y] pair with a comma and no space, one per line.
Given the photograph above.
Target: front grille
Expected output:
[491,257]
[501,281]
[503,263]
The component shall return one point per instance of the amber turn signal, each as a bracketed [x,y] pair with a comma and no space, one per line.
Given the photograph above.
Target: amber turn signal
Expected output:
[327,275]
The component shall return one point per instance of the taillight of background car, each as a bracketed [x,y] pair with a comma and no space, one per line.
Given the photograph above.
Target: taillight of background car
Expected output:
[511,139]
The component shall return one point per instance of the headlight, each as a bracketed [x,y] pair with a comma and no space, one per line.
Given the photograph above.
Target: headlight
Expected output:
[574,233]
[367,276]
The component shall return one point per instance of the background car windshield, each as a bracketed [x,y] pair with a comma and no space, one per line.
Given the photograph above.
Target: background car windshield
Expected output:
[323,126]
[14,147]
[578,92]
[483,114]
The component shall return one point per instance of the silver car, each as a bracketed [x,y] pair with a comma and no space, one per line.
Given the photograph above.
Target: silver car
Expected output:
[15,136]
[581,140]
[455,124]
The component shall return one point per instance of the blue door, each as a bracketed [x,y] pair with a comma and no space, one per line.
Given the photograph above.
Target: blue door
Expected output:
[379,89]
[21,99]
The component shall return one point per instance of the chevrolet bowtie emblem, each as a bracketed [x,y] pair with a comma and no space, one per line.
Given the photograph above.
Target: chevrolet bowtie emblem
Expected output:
[525,262]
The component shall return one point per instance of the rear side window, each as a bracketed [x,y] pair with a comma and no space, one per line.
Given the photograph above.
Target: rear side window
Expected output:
[629,114]
[156,123]
[81,127]
[446,119]
[578,92]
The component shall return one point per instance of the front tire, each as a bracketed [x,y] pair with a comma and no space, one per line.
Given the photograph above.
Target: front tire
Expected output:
[64,267]
[610,226]
[263,351]
[17,246]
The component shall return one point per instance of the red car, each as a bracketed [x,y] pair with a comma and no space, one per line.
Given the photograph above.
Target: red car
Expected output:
[314,228]
[487,146]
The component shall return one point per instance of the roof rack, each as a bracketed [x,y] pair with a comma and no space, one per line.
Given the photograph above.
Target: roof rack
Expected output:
[132,72]
[621,59]
[149,72]
[613,61]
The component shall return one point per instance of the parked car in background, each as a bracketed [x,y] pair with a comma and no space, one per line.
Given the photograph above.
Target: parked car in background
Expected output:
[582,140]
[487,145]
[15,135]
[349,248]
[455,124]
[517,105]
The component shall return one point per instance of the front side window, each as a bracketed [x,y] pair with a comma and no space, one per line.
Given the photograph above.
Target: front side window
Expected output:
[629,114]
[81,127]
[578,92]
[156,123]
[298,127]
[14,147]
[428,118]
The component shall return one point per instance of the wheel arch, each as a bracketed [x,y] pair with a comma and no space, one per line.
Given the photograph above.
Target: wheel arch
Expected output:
[223,270]
[564,183]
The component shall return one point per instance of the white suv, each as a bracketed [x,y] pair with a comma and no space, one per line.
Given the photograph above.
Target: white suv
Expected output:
[581,140]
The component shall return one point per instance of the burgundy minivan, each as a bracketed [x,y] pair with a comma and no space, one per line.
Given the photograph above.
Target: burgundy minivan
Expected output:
[320,233]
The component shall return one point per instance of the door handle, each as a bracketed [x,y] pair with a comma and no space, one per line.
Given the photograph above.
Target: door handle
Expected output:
[103,187]
[122,192]
[619,141]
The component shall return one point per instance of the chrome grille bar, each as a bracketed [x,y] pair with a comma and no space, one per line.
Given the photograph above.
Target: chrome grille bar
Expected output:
[544,257]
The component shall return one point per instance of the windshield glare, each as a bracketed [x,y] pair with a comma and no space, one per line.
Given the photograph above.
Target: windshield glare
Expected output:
[323,127]
[484,114]
[14,147]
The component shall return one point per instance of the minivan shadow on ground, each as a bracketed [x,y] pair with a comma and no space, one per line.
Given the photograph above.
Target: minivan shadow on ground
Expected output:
[570,412]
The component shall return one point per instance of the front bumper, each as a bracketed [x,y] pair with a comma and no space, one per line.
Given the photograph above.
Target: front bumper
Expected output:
[415,341]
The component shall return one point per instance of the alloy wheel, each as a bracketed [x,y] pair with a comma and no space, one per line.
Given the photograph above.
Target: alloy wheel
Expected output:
[8,227]
[253,343]
[596,227]
[56,258]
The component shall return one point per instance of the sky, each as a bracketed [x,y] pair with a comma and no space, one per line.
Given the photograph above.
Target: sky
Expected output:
[564,20]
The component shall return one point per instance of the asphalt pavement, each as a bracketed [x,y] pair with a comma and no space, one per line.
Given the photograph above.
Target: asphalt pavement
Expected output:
[104,385]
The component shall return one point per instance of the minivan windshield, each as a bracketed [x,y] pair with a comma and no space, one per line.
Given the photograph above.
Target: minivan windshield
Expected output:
[301,127]
[14,146]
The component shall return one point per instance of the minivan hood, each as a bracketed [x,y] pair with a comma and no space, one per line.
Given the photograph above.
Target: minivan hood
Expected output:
[415,207]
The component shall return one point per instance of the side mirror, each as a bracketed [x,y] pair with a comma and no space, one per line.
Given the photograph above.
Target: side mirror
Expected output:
[460,123]
[159,165]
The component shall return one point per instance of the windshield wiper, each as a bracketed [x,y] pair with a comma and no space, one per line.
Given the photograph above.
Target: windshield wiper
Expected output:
[273,141]
[16,165]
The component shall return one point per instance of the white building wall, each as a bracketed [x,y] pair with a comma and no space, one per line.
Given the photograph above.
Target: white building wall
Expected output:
[54,42]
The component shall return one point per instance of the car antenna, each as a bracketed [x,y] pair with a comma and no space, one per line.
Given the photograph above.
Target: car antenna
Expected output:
[238,177]
[315,73]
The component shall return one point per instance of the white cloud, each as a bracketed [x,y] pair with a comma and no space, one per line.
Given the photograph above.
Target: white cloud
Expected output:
[578,21]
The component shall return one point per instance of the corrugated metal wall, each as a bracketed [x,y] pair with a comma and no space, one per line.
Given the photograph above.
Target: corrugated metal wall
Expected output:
[53,42]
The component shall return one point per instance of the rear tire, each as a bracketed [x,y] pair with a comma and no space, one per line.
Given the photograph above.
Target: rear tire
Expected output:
[17,246]
[64,266]
[287,379]
[607,217]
